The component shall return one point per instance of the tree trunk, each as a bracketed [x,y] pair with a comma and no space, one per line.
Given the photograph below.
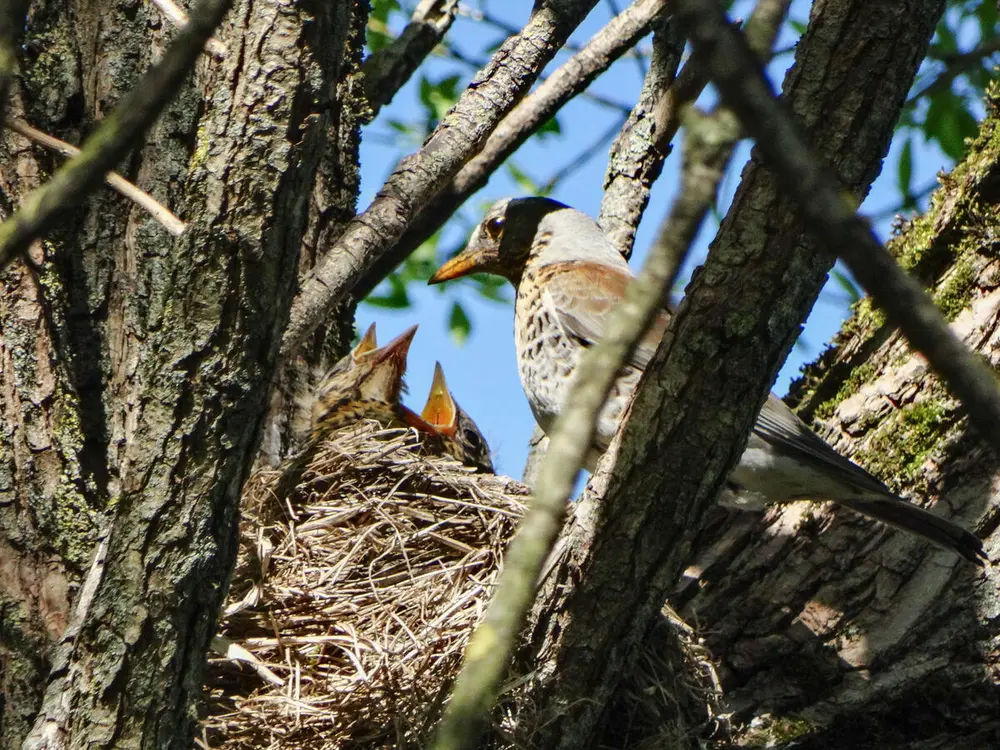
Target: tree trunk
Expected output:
[624,552]
[849,633]
[136,367]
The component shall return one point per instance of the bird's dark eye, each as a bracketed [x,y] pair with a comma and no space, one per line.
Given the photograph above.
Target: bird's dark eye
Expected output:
[494,227]
[472,439]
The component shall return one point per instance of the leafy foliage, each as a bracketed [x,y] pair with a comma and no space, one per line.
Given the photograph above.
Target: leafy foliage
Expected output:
[942,113]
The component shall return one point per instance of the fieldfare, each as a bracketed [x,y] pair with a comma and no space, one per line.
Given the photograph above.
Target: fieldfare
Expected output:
[365,384]
[460,436]
[568,276]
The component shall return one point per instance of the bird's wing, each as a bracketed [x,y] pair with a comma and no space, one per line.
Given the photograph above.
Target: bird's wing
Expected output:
[779,425]
[582,294]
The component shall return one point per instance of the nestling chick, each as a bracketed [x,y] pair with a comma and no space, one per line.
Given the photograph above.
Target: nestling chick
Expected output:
[460,436]
[367,383]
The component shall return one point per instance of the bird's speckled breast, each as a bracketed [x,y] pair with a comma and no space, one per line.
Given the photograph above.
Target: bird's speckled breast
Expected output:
[548,355]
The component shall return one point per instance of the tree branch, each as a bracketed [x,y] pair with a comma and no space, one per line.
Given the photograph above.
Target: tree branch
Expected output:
[114,180]
[831,214]
[117,134]
[619,35]
[419,177]
[956,65]
[387,70]
[634,163]
[708,148]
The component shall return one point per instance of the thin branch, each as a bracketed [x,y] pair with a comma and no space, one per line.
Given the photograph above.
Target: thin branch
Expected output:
[387,70]
[419,177]
[179,18]
[830,213]
[539,107]
[581,158]
[634,163]
[569,442]
[956,65]
[708,148]
[117,134]
[639,59]
[690,82]
[592,96]
[142,199]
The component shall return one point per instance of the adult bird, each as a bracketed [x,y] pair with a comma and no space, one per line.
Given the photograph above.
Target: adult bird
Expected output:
[461,437]
[568,276]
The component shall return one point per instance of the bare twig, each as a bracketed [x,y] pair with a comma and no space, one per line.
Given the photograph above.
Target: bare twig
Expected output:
[419,177]
[956,65]
[114,137]
[634,163]
[831,214]
[142,199]
[572,77]
[387,70]
[708,148]
[687,87]
[179,18]
[639,60]
[582,157]
[591,96]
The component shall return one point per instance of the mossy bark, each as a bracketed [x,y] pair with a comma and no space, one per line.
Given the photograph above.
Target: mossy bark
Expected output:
[761,590]
[135,366]
[856,634]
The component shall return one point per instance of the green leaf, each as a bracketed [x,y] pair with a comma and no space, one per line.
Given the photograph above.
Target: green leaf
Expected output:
[848,284]
[987,16]
[550,127]
[904,171]
[422,262]
[459,324]
[439,97]
[399,126]
[522,179]
[377,34]
[394,298]
[492,288]
[949,123]
[944,43]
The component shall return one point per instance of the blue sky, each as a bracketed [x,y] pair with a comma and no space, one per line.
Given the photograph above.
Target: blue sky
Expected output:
[482,371]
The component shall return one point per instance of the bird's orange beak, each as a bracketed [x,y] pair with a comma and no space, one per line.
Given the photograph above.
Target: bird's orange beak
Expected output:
[385,381]
[367,343]
[469,261]
[414,420]
[440,409]
[396,349]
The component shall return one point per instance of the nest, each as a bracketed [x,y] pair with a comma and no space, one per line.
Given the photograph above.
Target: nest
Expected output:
[354,596]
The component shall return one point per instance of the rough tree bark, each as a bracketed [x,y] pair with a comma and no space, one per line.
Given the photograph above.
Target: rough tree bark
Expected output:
[848,633]
[135,366]
[852,72]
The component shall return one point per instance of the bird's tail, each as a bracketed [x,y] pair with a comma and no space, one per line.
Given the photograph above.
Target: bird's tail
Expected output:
[914,519]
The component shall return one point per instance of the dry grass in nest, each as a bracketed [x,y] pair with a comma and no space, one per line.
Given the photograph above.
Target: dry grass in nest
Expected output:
[353,599]
[357,593]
